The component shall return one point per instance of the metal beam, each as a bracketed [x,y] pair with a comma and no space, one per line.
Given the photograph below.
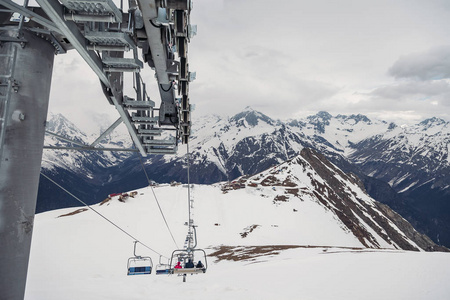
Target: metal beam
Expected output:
[107,131]
[162,150]
[127,121]
[64,138]
[55,12]
[30,14]
[88,148]
[21,151]
[159,55]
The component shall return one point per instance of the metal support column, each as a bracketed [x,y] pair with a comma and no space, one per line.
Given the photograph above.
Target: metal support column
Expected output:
[26,64]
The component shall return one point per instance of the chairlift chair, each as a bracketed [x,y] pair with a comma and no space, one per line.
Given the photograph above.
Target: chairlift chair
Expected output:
[185,256]
[163,269]
[139,265]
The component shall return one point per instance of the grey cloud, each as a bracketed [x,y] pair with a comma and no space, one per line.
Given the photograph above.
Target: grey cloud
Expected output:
[430,65]
[299,56]
[417,90]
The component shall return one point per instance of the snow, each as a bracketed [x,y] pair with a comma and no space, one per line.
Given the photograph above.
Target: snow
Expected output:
[82,256]
[408,187]
[448,153]
[341,132]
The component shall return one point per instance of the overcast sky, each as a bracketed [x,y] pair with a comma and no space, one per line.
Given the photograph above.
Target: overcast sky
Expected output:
[386,58]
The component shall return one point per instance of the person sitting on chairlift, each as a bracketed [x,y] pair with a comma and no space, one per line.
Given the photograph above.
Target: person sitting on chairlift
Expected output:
[200,266]
[178,266]
[189,264]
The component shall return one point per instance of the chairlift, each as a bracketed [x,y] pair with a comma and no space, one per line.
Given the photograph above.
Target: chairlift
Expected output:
[189,260]
[192,261]
[139,265]
[161,268]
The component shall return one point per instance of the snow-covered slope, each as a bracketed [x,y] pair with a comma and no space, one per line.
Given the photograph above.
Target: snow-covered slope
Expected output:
[301,230]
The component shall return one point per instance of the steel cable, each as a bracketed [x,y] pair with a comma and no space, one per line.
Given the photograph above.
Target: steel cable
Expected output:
[98,213]
[157,202]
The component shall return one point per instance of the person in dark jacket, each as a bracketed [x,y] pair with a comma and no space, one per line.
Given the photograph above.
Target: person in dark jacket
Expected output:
[189,264]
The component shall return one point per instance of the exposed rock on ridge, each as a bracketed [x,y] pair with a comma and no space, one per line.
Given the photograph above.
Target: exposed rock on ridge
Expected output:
[375,225]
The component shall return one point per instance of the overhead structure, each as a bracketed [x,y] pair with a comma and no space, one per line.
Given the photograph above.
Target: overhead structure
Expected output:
[116,44]
[108,40]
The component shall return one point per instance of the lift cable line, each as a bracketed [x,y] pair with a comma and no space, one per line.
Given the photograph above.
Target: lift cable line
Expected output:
[189,254]
[101,215]
[157,202]
[190,221]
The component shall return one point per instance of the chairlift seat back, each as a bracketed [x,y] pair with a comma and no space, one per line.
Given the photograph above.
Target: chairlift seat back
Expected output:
[139,270]
[163,272]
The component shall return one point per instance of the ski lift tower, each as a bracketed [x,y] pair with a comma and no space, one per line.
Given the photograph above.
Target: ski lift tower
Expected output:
[109,40]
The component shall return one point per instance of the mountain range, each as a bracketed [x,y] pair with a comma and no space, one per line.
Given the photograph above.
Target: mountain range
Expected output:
[405,167]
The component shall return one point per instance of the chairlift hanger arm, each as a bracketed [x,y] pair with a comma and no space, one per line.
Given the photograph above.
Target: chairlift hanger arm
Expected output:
[134,251]
[195,236]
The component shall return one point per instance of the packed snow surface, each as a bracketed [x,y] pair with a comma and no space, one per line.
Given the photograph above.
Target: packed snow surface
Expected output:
[83,256]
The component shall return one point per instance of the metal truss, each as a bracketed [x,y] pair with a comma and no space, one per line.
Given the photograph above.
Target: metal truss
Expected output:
[109,40]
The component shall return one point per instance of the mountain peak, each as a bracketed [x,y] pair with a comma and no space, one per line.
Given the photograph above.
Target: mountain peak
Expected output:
[432,122]
[320,120]
[356,118]
[324,115]
[60,124]
[250,117]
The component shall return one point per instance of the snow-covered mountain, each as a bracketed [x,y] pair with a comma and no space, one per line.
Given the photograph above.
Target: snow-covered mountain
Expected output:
[408,156]
[81,162]
[86,172]
[311,175]
[413,160]
[251,141]
[293,231]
